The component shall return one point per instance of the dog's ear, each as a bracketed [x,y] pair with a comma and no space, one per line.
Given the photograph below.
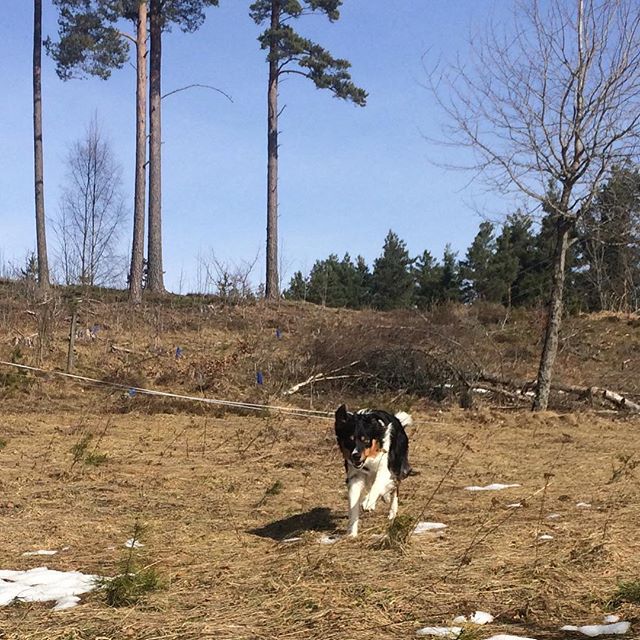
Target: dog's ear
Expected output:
[341,414]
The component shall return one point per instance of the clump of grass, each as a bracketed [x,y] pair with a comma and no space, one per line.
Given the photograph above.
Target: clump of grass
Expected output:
[628,591]
[95,459]
[133,583]
[399,532]
[470,633]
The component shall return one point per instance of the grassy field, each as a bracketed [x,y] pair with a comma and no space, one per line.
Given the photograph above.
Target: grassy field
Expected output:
[213,495]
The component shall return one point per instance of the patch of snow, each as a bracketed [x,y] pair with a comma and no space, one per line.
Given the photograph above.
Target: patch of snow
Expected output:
[479,617]
[593,630]
[492,487]
[42,585]
[514,505]
[441,632]
[423,527]
[132,543]
[611,618]
[583,505]
[545,536]
[41,552]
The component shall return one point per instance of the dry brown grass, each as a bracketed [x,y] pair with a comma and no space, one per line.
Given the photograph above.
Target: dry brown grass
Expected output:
[218,491]
[203,487]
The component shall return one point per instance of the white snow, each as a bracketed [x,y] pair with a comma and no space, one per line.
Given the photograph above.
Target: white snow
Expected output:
[40,552]
[132,543]
[479,617]
[611,618]
[442,632]
[42,585]
[423,527]
[583,505]
[545,536]
[492,487]
[593,630]
[514,505]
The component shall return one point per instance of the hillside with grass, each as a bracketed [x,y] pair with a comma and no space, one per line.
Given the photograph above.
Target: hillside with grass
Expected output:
[196,520]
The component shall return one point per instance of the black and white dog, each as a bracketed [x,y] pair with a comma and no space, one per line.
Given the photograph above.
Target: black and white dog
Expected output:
[376,458]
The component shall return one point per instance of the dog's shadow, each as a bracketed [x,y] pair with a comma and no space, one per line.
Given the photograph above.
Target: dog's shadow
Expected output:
[318,519]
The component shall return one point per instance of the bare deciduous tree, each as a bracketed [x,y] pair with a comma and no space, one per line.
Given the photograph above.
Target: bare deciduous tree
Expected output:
[92,212]
[556,99]
[229,280]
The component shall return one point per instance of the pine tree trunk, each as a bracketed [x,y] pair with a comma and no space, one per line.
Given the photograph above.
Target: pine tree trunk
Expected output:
[272,285]
[554,320]
[41,240]
[137,250]
[155,281]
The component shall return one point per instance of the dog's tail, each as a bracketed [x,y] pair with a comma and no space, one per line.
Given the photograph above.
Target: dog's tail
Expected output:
[405,419]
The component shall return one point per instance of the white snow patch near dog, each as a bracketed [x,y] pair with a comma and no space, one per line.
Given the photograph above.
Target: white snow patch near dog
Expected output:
[43,585]
[423,527]
[496,486]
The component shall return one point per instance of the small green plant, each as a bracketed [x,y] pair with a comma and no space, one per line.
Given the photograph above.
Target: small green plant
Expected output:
[79,449]
[628,591]
[3,443]
[95,459]
[273,490]
[133,582]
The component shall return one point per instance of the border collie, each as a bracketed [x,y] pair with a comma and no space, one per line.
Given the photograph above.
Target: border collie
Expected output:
[376,458]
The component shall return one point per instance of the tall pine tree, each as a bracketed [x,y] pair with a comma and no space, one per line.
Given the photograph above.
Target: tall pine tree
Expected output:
[290,53]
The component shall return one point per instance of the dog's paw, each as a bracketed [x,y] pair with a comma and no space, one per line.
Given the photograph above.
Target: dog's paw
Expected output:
[369,503]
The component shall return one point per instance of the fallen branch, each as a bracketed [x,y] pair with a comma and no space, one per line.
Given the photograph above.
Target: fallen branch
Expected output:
[321,376]
[619,399]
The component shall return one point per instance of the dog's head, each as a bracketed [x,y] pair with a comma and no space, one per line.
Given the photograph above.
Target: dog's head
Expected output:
[359,436]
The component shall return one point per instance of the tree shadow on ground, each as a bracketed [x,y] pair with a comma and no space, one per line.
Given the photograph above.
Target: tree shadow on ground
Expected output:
[318,519]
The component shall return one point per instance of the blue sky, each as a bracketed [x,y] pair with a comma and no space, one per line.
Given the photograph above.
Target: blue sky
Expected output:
[347,174]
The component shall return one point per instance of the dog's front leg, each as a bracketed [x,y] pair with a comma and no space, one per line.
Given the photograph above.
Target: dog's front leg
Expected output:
[356,485]
[393,509]
[379,487]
